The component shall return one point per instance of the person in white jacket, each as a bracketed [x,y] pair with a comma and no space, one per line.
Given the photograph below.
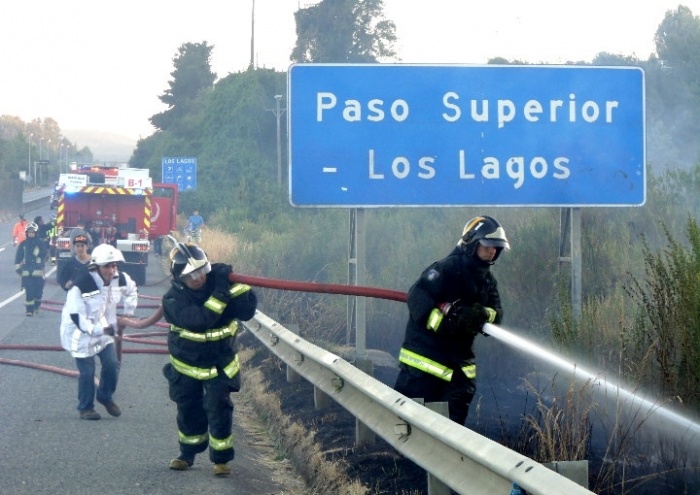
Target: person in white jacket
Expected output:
[88,323]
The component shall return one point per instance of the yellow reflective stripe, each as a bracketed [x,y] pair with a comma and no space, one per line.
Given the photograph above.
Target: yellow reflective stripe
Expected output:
[434,319]
[208,336]
[490,314]
[192,439]
[469,371]
[193,371]
[213,304]
[424,364]
[238,289]
[232,368]
[221,444]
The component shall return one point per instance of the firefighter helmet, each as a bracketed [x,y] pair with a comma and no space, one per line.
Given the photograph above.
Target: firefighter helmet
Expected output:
[486,231]
[188,259]
[31,227]
[105,254]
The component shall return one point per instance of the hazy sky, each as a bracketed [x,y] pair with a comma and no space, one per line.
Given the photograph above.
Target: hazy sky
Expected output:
[101,64]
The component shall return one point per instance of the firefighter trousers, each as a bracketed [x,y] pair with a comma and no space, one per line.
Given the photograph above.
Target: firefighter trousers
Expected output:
[204,414]
[458,393]
[33,291]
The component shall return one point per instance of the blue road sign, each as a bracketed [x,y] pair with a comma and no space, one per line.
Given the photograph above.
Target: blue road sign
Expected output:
[181,171]
[455,135]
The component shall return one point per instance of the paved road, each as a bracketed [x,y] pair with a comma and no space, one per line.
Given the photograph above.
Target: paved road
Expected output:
[46,450]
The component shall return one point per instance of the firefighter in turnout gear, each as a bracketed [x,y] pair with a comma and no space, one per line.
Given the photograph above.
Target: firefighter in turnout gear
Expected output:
[29,264]
[448,306]
[203,309]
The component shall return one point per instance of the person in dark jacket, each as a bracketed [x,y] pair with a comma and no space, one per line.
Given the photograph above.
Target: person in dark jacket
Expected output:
[448,306]
[43,232]
[29,264]
[77,265]
[203,309]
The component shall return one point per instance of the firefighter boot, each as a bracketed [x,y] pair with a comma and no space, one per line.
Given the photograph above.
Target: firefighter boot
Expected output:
[180,463]
[221,470]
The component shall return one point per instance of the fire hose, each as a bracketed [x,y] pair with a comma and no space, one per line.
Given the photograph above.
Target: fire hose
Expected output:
[154,319]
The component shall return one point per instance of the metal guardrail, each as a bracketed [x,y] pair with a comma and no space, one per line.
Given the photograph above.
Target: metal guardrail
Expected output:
[36,195]
[457,456]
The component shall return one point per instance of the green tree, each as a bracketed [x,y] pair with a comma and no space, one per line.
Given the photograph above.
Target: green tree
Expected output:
[342,31]
[191,76]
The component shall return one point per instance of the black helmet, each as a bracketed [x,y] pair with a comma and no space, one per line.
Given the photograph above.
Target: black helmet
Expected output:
[486,231]
[186,259]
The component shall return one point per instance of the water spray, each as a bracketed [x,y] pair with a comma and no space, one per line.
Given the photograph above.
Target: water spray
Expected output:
[635,400]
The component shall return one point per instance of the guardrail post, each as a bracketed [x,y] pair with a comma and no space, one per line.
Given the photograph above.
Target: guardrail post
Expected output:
[292,375]
[363,434]
[321,399]
[435,486]
[576,471]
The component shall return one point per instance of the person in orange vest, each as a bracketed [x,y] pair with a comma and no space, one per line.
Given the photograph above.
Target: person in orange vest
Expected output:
[18,231]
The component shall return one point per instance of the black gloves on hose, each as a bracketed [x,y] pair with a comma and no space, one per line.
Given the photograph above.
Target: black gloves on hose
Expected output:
[472,318]
[221,281]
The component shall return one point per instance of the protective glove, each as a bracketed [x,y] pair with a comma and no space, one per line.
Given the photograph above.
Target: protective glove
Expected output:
[472,318]
[221,281]
[108,331]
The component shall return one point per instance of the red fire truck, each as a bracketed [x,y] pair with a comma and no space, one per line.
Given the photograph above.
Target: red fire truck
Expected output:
[119,206]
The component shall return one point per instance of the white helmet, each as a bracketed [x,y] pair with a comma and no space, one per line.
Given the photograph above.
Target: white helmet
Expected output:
[105,254]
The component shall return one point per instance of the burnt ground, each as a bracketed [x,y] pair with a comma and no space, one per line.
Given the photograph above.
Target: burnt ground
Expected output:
[380,469]
[497,412]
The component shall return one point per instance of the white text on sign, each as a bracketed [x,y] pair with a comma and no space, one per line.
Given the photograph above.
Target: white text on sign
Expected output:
[532,111]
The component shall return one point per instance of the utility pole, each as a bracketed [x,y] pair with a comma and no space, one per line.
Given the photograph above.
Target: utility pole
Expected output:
[278,114]
[252,37]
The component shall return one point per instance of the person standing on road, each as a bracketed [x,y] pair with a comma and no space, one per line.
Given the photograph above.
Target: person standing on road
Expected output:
[448,306]
[203,307]
[29,264]
[194,227]
[88,323]
[43,233]
[76,266]
[18,231]
[52,234]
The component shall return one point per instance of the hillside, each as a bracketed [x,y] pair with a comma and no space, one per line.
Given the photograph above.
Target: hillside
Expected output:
[106,147]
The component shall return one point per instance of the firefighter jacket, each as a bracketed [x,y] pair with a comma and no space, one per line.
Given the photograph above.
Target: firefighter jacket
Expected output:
[91,306]
[30,256]
[203,326]
[457,277]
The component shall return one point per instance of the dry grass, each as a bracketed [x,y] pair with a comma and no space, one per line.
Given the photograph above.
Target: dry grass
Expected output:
[561,428]
[292,440]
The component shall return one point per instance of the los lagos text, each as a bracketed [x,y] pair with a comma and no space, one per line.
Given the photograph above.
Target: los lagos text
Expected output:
[516,168]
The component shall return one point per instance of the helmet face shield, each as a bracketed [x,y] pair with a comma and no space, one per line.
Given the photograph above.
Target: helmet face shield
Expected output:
[195,274]
[497,239]
[188,262]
